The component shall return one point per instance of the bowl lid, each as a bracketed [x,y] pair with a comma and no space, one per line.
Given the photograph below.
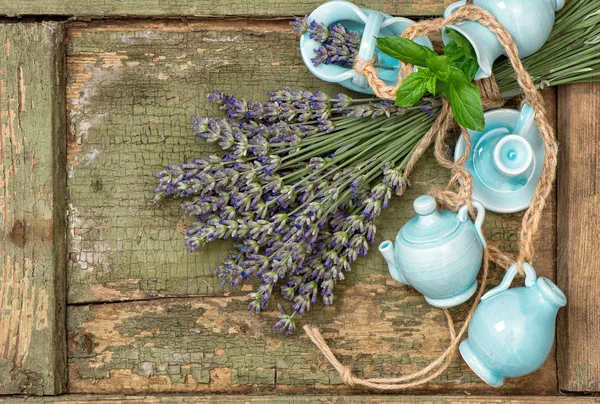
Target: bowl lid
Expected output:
[430,224]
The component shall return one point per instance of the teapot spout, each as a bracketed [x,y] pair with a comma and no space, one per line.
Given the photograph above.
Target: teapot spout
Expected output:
[387,250]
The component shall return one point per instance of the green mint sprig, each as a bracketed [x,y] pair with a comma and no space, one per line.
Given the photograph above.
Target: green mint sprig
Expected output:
[450,75]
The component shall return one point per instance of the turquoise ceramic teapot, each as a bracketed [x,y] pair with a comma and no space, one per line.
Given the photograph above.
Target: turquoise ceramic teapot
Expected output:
[438,252]
[512,331]
[528,21]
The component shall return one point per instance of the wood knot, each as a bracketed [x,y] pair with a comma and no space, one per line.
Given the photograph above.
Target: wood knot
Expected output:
[17,234]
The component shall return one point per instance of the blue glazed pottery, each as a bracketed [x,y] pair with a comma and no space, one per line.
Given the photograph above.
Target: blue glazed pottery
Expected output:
[528,21]
[371,24]
[512,331]
[438,252]
[506,160]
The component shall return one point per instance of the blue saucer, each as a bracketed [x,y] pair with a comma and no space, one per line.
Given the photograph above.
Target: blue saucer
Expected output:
[506,166]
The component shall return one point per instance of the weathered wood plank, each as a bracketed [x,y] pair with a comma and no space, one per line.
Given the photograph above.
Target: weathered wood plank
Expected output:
[212,345]
[306,399]
[578,221]
[194,8]
[32,209]
[132,89]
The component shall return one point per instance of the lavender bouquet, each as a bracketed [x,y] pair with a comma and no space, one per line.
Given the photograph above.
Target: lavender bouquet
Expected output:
[302,180]
[304,176]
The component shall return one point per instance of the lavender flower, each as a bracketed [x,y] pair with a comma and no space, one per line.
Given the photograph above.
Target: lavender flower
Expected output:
[300,25]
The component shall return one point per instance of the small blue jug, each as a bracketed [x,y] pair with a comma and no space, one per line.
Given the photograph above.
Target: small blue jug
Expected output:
[528,21]
[371,24]
[512,331]
[438,252]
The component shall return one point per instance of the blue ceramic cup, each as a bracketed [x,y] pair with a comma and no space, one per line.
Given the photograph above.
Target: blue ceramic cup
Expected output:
[506,159]
[371,24]
[512,331]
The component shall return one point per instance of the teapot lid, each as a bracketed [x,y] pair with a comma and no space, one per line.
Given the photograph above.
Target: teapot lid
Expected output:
[430,224]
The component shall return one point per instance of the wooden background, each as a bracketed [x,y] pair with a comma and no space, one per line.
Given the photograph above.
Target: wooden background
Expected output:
[95,96]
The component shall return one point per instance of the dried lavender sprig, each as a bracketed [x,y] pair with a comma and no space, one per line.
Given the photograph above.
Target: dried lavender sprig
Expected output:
[304,107]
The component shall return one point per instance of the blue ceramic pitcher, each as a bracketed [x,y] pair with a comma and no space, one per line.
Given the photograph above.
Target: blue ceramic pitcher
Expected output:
[438,252]
[528,21]
[512,331]
[371,24]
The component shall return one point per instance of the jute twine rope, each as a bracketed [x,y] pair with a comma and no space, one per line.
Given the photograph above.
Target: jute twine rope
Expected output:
[460,188]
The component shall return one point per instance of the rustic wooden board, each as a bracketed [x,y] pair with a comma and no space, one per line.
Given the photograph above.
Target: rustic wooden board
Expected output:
[132,88]
[194,8]
[363,399]
[32,209]
[578,221]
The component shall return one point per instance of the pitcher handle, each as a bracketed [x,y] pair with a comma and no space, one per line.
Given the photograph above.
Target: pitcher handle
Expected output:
[368,44]
[463,216]
[526,120]
[530,279]
[453,7]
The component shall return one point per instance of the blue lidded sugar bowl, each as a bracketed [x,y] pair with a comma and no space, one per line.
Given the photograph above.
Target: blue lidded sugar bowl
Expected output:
[512,330]
[371,24]
[528,21]
[438,252]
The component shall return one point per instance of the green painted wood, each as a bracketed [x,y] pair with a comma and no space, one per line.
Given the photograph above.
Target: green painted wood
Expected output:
[194,8]
[304,399]
[32,209]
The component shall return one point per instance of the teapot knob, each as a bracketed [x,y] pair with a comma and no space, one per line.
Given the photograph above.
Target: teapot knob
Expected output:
[425,205]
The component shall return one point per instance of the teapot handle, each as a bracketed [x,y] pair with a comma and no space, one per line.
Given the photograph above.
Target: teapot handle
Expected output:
[530,279]
[463,216]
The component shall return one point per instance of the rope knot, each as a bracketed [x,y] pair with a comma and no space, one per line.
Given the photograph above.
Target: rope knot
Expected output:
[347,376]
[361,65]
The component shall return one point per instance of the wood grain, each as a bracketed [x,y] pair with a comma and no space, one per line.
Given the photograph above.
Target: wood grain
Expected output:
[578,222]
[195,8]
[305,399]
[132,88]
[32,209]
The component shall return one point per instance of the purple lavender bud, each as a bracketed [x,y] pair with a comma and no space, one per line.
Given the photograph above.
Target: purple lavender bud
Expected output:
[300,25]
[217,97]
[318,31]
[326,126]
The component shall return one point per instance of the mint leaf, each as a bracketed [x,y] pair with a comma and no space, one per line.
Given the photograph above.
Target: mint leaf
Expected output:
[431,84]
[453,51]
[405,50]
[462,43]
[468,65]
[465,100]
[442,88]
[413,88]
[440,65]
